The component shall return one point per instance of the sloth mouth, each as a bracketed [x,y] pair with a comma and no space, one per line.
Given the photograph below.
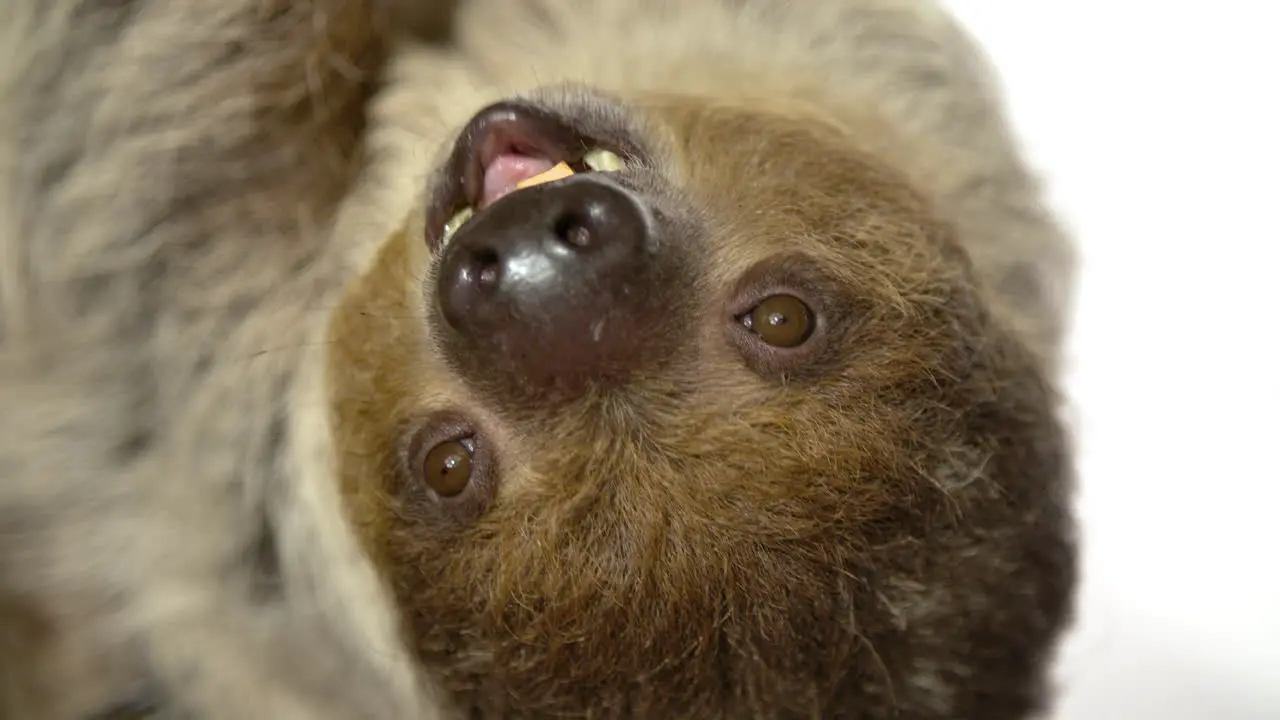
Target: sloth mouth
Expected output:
[508,171]
[505,147]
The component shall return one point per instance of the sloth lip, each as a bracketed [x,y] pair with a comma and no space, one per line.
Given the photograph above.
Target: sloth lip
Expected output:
[503,143]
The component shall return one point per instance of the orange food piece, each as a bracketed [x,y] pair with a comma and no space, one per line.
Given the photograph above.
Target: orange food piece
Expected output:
[555,173]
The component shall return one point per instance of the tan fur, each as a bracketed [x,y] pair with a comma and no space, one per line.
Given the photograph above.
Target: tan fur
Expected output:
[213,334]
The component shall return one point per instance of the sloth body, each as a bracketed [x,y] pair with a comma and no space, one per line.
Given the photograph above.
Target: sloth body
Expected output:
[234,339]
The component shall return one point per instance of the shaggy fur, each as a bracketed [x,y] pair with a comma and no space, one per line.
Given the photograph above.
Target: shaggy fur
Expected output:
[214,337]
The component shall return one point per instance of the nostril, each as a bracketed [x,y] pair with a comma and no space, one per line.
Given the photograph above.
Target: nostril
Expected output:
[571,230]
[485,264]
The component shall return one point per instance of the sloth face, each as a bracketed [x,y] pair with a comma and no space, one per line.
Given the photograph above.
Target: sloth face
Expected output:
[679,409]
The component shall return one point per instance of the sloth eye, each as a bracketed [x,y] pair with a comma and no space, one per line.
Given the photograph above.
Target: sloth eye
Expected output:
[783,321]
[446,469]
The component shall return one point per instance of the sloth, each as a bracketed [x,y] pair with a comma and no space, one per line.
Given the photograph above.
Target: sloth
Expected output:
[524,359]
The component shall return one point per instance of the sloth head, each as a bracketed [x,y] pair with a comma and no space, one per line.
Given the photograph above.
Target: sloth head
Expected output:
[707,421]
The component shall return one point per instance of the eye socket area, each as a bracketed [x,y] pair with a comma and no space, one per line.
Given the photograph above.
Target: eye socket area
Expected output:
[779,318]
[448,469]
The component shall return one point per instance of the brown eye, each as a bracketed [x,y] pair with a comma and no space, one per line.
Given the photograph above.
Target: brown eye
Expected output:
[781,321]
[447,467]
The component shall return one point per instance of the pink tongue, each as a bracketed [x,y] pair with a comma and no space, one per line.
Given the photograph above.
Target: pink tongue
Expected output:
[508,169]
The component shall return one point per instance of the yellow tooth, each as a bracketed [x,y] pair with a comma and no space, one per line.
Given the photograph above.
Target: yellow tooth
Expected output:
[560,170]
[602,161]
[457,221]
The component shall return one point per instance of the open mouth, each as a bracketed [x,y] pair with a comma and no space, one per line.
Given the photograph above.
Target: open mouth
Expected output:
[504,148]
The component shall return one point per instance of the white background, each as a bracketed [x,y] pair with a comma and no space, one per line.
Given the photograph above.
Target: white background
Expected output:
[1155,126]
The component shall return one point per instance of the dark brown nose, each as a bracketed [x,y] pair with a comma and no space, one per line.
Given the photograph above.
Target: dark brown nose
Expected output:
[553,288]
